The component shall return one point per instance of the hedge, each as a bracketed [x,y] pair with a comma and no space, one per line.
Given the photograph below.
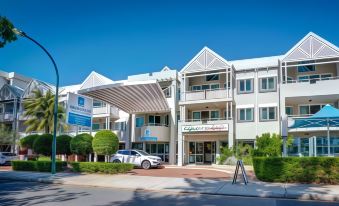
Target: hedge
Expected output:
[37,166]
[297,169]
[101,167]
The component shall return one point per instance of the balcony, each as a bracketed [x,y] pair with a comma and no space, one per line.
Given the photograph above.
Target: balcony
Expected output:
[161,132]
[6,117]
[105,111]
[206,95]
[312,87]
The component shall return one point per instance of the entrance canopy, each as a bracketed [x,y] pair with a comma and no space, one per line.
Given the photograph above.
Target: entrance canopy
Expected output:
[131,97]
[328,116]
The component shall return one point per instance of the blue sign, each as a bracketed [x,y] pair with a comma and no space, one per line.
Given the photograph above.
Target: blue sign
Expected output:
[77,119]
[79,110]
[81,101]
[150,139]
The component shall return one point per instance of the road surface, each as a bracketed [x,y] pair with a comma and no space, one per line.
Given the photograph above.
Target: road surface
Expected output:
[30,193]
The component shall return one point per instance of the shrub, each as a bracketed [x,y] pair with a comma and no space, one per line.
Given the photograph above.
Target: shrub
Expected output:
[101,167]
[81,144]
[63,145]
[297,169]
[28,141]
[225,153]
[37,166]
[43,144]
[105,142]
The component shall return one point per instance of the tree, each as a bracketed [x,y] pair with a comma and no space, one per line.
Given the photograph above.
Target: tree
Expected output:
[6,32]
[63,145]
[40,112]
[81,144]
[6,137]
[43,144]
[105,142]
[270,145]
[28,141]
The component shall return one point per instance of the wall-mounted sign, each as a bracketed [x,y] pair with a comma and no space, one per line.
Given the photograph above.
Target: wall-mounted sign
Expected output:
[79,110]
[205,128]
[147,136]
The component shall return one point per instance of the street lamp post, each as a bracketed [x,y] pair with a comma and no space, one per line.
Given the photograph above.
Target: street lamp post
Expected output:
[55,120]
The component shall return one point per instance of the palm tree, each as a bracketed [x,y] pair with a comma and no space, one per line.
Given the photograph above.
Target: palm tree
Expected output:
[39,110]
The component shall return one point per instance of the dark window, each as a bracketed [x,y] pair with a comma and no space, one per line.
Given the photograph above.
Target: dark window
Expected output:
[212,77]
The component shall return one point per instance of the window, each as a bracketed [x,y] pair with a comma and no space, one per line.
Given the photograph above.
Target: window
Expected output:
[212,77]
[138,146]
[325,76]
[139,121]
[267,113]
[166,120]
[124,152]
[95,126]
[215,115]
[267,84]
[120,126]
[1,109]
[154,120]
[215,86]
[134,153]
[245,115]
[196,88]
[306,68]
[289,111]
[310,109]
[196,116]
[245,86]
[98,104]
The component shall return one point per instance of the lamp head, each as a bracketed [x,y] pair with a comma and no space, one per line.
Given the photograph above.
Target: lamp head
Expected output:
[18,32]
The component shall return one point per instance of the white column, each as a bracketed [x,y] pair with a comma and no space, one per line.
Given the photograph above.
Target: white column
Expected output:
[133,128]
[107,123]
[173,123]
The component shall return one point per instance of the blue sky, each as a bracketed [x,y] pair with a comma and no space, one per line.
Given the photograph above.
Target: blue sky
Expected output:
[121,38]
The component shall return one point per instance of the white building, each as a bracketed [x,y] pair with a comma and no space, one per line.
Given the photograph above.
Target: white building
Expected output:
[184,117]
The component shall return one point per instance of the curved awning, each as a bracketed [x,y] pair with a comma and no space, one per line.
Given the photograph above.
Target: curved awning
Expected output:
[131,97]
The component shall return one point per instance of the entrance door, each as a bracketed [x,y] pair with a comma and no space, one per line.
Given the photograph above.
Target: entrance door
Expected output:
[199,157]
[205,115]
[208,152]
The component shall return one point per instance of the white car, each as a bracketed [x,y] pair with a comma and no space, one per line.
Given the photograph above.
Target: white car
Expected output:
[137,157]
[7,157]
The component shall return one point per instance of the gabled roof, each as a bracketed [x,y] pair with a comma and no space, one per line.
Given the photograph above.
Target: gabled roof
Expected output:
[95,79]
[205,60]
[311,47]
[37,85]
[8,92]
[262,62]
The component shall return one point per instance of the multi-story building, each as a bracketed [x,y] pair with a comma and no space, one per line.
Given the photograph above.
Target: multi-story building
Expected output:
[184,117]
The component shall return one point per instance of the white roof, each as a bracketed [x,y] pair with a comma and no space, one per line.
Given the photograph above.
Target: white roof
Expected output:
[262,62]
[131,97]
[95,79]
[71,88]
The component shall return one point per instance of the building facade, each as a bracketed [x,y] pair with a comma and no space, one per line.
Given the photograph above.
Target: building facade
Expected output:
[185,117]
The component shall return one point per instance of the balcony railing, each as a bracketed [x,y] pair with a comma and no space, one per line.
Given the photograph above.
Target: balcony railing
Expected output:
[207,121]
[206,94]
[312,80]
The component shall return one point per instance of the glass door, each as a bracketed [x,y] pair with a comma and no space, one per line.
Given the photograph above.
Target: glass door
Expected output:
[199,157]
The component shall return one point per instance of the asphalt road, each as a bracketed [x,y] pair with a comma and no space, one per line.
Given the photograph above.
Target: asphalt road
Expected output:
[29,193]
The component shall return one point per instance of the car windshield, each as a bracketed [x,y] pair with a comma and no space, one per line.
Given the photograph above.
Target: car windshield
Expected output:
[143,153]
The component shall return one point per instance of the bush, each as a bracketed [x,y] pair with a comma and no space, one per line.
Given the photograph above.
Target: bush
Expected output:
[81,144]
[225,153]
[43,144]
[105,142]
[28,141]
[37,166]
[63,145]
[101,167]
[297,169]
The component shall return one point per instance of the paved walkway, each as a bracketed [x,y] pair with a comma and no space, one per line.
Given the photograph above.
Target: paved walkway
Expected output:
[183,185]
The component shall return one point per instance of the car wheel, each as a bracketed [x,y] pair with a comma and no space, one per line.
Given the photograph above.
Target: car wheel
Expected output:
[146,164]
[116,161]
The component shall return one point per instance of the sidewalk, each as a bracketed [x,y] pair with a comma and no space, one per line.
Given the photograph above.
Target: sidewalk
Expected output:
[183,185]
